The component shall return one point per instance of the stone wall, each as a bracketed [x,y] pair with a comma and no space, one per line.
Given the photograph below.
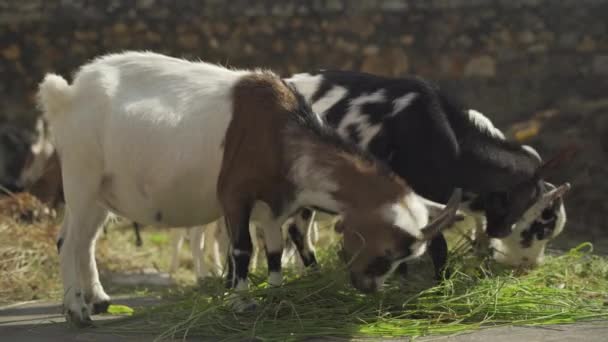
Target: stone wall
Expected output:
[515,60]
[506,57]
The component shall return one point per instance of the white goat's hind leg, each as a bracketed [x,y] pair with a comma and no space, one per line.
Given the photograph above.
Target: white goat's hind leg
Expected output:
[478,234]
[257,241]
[83,293]
[220,245]
[74,306]
[196,237]
[177,240]
[94,292]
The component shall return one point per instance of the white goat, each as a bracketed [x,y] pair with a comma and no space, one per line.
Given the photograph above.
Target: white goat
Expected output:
[164,141]
[200,237]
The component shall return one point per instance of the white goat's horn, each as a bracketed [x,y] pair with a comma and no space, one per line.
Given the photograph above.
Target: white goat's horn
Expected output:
[445,218]
[547,198]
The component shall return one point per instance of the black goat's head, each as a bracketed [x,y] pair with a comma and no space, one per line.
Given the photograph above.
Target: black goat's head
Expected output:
[504,208]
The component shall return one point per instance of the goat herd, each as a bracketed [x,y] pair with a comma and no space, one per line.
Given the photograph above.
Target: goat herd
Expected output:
[168,142]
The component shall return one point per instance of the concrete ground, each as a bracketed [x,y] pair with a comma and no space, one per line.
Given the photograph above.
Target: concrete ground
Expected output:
[42,321]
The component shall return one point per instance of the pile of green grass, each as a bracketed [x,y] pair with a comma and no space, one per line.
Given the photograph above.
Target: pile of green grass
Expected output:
[567,288]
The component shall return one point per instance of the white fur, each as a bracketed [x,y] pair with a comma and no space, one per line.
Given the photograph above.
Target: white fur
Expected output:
[403,102]
[142,134]
[306,83]
[560,222]
[317,181]
[410,214]
[483,123]
[510,251]
[55,95]
[201,239]
[532,152]
[332,97]
[354,117]
[139,134]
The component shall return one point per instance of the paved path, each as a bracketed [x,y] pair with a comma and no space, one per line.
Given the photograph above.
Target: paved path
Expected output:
[38,321]
[43,322]
[584,332]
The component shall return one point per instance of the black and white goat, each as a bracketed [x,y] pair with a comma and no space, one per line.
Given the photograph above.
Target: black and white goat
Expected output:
[437,145]
[165,141]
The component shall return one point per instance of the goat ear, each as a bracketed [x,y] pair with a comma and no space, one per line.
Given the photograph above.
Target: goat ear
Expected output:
[564,155]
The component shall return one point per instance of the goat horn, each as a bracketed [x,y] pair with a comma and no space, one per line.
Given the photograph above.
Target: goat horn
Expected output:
[546,199]
[445,219]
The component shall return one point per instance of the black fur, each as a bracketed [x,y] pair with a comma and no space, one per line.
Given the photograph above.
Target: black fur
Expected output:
[304,117]
[274,261]
[14,147]
[435,147]
[308,258]
[543,227]
[242,248]
[305,214]
[138,240]
[438,249]
[431,135]
[59,244]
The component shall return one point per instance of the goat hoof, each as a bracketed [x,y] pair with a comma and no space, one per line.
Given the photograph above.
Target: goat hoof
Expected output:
[275,279]
[101,307]
[82,320]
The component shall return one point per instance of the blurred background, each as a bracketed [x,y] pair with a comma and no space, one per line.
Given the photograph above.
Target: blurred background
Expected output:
[537,68]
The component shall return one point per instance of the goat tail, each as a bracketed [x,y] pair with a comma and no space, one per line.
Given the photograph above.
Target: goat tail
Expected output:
[54,96]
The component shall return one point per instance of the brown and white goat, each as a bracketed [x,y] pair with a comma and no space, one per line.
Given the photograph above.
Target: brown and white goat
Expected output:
[165,141]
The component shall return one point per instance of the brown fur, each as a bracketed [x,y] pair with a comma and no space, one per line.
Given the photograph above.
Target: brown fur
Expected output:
[252,167]
[260,120]
[356,176]
[275,150]
[49,188]
[263,144]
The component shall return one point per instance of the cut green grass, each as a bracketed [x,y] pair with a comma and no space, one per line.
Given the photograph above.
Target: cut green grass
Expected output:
[568,288]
